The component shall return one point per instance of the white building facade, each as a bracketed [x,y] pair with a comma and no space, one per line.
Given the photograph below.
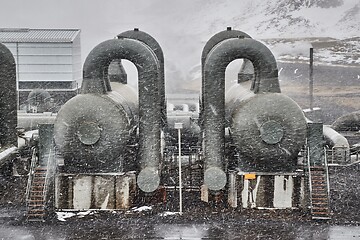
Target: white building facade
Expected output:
[47,59]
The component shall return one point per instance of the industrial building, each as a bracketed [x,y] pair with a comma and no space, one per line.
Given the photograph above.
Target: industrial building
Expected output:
[47,59]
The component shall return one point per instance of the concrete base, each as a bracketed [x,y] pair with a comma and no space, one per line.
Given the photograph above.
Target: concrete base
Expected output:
[95,191]
[267,190]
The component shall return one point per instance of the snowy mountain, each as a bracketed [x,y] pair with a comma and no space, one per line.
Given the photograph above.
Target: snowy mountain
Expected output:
[301,22]
[278,18]
[183,27]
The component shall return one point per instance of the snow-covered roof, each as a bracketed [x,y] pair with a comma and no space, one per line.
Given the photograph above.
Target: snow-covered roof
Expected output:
[37,35]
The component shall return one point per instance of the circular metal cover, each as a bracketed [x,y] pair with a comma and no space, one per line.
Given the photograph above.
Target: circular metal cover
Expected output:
[271,132]
[88,133]
[215,178]
[148,179]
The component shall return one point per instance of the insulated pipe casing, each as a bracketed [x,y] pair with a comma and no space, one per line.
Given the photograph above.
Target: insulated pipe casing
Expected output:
[155,46]
[213,41]
[148,68]
[213,92]
[8,98]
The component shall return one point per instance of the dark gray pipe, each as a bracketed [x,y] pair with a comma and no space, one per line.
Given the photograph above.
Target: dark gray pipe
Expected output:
[246,72]
[219,37]
[8,98]
[213,41]
[155,46]
[117,72]
[149,102]
[348,122]
[213,92]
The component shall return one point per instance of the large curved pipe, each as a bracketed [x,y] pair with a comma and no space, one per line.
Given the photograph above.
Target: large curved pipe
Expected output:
[335,139]
[213,92]
[149,102]
[213,41]
[155,46]
[219,37]
[8,99]
[348,122]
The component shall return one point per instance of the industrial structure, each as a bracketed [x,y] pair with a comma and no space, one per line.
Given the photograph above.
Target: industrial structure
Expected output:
[46,59]
[112,148]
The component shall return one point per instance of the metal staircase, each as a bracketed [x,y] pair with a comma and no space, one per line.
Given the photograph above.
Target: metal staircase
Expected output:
[41,176]
[318,173]
[320,208]
[37,196]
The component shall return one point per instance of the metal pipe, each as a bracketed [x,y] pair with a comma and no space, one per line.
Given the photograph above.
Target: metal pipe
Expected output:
[213,92]
[311,79]
[147,66]
[117,72]
[8,98]
[155,46]
[213,41]
[335,139]
[348,122]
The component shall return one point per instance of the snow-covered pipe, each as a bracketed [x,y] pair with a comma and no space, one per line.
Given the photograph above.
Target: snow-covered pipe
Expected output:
[348,122]
[212,42]
[148,68]
[155,46]
[213,92]
[335,139]
[8,98]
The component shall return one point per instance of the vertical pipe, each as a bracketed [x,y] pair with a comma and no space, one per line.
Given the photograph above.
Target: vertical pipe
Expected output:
[155,46]
[214,97]
[311,79]
[148,68]
[180,178]
[213,41]
[8,98]
[17,77]
[46,136]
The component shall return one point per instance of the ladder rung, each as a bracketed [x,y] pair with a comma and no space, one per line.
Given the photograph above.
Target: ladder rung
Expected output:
[35,210]
[35,215]
[321,213]
[36,206]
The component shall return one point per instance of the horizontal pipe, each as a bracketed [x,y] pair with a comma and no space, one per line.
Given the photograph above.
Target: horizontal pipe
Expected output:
[147,66]
[335,139]
[348,122]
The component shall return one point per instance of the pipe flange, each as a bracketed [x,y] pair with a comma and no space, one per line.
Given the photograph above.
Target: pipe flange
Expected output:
[148,179]
[89,133]
[215,178]
[271,132]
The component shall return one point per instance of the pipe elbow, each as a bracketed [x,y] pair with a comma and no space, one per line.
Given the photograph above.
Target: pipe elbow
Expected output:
[215,178]
[334,138]
[148,179]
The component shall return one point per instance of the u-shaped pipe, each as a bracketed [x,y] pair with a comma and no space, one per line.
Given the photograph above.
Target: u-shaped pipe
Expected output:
[155,46]
[213,92]
[8,98]
[216,39]
[147,66]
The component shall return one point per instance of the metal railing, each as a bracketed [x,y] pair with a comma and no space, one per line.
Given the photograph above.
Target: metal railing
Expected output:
[34,162]
[327,176]
[309,171]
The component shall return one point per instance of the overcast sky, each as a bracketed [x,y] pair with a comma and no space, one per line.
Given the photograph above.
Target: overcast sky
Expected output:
[103,20]
[181,27]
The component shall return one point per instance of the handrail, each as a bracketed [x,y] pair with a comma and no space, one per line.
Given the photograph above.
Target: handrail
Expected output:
[47,175]
[327,175]
[310,185]
[34,160]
